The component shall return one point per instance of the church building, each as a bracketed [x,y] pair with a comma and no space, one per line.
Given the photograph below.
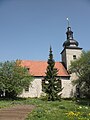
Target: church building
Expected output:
[70,52]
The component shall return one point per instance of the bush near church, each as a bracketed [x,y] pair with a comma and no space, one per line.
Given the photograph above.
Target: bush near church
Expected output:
[13,78]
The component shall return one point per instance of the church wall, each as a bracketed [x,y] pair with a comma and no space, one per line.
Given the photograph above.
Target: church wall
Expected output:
[35,89]
[67,86]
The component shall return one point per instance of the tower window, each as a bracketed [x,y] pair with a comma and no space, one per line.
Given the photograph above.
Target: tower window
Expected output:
[74,57]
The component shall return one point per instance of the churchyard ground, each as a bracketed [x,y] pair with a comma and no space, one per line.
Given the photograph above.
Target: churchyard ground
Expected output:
[38,109]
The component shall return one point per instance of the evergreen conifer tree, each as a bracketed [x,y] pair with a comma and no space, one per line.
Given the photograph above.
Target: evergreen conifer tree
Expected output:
[52,84]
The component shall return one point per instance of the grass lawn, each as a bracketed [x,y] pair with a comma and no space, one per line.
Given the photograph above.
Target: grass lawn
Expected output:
[64,110]
[47,110]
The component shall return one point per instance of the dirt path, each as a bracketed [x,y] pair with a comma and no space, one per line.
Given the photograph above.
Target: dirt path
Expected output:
[18,112]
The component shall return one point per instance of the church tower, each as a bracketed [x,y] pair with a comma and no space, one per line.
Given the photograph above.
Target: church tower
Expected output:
[71,50]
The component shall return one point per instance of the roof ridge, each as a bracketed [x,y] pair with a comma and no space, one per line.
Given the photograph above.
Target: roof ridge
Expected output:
[41,61]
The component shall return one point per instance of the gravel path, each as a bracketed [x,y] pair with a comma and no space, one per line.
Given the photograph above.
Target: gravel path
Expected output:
[18,112]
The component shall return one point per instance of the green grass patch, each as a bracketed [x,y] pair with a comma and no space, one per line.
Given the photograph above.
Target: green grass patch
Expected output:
[5,103]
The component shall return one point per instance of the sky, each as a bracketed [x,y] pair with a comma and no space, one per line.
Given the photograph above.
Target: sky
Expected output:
[29,27]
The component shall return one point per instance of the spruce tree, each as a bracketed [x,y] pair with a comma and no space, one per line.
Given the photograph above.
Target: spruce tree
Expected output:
[51,83]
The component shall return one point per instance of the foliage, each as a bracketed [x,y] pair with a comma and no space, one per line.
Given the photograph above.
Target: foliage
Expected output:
[52,84]
[81,67]
[13,78]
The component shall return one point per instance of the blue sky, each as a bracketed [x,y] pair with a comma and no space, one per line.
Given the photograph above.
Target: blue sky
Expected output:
[29,27]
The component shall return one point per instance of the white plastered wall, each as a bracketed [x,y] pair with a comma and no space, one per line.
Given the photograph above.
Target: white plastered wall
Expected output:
[67,88]
[35,89]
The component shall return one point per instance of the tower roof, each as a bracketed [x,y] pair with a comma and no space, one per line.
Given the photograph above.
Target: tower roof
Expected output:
[70,42]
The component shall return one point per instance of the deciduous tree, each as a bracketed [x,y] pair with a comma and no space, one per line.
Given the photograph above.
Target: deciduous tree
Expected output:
[13,78]
[81,67]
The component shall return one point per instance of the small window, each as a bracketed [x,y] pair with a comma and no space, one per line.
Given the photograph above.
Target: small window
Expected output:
[74,57]
[27,88]
[28,68]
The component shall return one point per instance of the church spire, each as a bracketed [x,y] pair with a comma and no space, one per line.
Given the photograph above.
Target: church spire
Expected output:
[70,42]
[71,49]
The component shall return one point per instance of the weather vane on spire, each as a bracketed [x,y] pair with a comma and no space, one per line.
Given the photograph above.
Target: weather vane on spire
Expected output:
[68,21]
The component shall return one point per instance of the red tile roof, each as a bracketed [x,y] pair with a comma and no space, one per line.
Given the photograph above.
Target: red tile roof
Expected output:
[38,68]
